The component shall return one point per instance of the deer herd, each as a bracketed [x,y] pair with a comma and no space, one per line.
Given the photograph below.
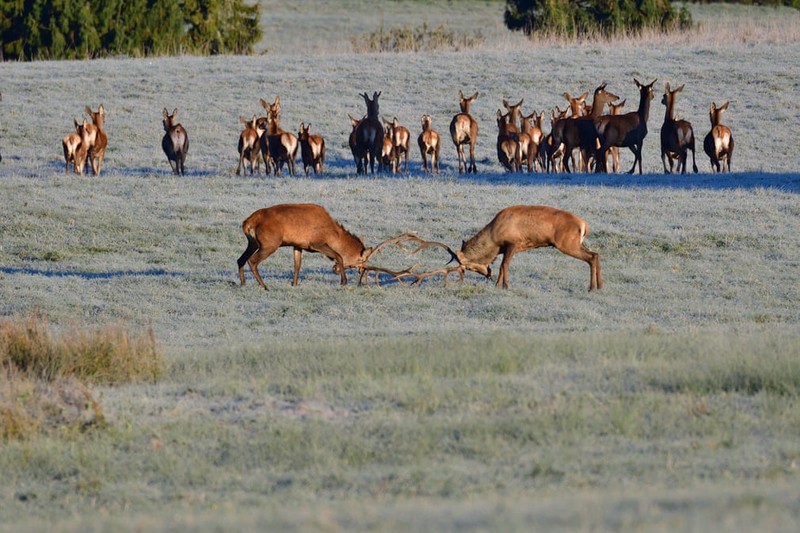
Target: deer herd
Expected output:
[584,137]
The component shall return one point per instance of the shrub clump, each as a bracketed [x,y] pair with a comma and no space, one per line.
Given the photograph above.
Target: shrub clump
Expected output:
[420,39]
[42,373]
[579,18]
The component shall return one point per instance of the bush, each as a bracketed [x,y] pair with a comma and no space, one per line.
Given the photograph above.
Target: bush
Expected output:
[70,29]
[420,39]
[590,17]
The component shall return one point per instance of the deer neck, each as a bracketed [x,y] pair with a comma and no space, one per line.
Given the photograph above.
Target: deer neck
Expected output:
[480,249]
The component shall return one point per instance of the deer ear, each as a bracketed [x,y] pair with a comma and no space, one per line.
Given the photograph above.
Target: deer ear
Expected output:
[101,110]
[175,112]
[463,245]
[724,106]
[679,89]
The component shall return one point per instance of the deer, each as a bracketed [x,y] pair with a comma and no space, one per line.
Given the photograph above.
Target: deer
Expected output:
[175,142]
[282,144]
[428,142]
[629,129]
[613,152]
[718,143]
[387,150]
[98,140]
[75,147]
[513,114]
[464,130]
[554,153]
[360,160]
[304,227]
[249,148]
[312,149]
[579,132]
[530,138]
[677,136]
[508,151]
[400,141]
[370,134]
[522,227]
[574,111]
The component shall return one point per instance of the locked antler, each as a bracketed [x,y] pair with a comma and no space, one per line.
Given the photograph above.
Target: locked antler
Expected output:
[402,276]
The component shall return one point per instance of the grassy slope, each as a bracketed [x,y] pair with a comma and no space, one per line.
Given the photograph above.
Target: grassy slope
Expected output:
[666,401]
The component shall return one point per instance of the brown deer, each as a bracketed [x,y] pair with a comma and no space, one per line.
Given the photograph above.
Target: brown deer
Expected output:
[175,142]
[530,138]
[521,227]
[677,136]
[575,110]
[370,134]
[387,150]
[718,143]
[554,153]
[464,130]
[613,152]
[75,147]
[513,115]
[312,149]
[361,160]
[400,142]
[249,148]
[428,142]
[98,140]
[508,151]
[282,144]
[627,130]
[304,227]
[579,132]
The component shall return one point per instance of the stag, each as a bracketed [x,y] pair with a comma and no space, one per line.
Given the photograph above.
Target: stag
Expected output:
[718,143]
[677,136]
[175,142]
[522,227]
[304,227]
[312,149]
[464,130]
[428,142]
[98,140]
[627,130]
[282,144]
[370,134]
[248,147]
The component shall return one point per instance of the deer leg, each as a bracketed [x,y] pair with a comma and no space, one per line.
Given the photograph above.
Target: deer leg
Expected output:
[298,256]
[258,257]
[473,168]
[694,162]
[635,159]
[502,277]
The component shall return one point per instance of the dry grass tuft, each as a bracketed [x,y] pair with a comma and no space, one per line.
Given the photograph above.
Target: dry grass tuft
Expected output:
[41,374]
[109,355]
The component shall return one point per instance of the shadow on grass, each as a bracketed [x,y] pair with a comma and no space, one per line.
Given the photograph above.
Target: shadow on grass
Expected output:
[155,272]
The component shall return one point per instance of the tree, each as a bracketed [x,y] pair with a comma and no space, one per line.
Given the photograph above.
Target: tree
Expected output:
[66,29]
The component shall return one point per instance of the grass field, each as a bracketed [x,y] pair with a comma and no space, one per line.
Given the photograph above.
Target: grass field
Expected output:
[667,401]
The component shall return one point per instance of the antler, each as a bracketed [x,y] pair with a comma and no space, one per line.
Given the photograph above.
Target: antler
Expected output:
[410,272]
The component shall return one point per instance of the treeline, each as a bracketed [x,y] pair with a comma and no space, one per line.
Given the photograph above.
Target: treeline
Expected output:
[80,29]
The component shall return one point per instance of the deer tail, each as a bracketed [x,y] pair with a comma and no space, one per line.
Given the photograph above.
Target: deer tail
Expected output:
[252,243]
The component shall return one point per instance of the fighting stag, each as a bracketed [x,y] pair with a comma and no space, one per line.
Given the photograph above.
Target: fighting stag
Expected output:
[718,143]
[522,227]
[304,227]
[464,130]
[677,136]
[175,142]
